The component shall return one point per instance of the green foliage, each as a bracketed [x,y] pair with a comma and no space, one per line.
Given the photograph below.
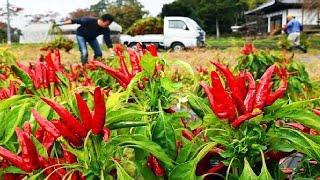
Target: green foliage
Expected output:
[300,86]
[141,125]
[148,25]
[285,44]
[59,42]
[7,56]
[179,8]
[125,12]
[207,12]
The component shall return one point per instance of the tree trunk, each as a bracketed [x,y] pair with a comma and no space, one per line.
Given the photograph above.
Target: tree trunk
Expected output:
[217,29]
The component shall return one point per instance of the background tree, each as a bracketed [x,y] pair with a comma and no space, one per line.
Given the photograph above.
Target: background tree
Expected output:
[209,13]
[214,16]
[179,8]
[126,12]
[100,7]
[78,13]
[251,4]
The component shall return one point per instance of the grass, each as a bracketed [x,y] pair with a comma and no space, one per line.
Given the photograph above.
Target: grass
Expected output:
[228,50]
[263,43]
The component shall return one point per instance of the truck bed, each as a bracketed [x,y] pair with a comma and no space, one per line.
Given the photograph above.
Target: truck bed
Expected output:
[149,38]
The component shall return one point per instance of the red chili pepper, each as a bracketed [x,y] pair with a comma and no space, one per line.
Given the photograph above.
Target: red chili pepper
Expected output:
[169,110]
[118,49]
[44,76]
[28,151]
[69,157]
[249,99]
[27,128]
[54,162]
[23,67]
[139,49]
[3,77]
[152,49]
[99,114]
[157,169]
[67,118]
[57,62]
[223,102]
[51,72]
[84,111]
[299,127]
[13,158]
[39,134]
[218,110]
[134,59]
[245,117]
[275,155]
[67,133]
[121,78]
[46,125]
[106,134]
[197,131]
[242,84]
[316,111]
[48,141]
[49,170]
[233,86]
[187,134]
[216,168]
[9,176]
[273,96]
[264,88]
[123,67]
[38,75]
[247,49]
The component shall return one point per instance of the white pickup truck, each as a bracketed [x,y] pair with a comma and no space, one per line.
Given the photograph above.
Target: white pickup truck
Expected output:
[178,33]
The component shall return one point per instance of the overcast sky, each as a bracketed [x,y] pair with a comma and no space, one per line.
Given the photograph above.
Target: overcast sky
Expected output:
[64,7]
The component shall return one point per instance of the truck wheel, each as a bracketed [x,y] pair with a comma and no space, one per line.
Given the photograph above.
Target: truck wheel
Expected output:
[176,47]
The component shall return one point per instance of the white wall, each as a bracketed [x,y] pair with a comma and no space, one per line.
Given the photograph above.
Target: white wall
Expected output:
[310,17]
[306,17]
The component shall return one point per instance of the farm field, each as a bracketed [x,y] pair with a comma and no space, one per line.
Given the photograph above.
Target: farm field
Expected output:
[159,115]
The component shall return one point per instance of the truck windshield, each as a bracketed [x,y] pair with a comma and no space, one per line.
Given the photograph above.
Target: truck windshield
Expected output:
[194,24]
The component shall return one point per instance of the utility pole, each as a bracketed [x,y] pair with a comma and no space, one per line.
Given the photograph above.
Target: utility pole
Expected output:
[8,24]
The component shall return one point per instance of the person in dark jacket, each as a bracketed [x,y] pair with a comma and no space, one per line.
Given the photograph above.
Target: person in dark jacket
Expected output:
[87,32]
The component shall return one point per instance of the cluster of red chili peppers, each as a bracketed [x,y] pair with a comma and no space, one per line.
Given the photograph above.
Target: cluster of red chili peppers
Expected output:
[29,160]
[68,127]
[242,99]
[76,71]
[123,75]
[43,72]
[9,91]
[202,70]
[247,49]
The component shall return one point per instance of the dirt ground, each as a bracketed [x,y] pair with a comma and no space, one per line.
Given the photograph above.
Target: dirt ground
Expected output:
[194,57]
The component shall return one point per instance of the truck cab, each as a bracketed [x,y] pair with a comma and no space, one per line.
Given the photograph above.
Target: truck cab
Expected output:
[178,33]
[181,32]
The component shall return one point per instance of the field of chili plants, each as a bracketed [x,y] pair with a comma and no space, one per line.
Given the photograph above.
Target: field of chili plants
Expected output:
[137,117]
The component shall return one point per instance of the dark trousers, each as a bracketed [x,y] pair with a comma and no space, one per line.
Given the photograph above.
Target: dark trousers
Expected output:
[94,44]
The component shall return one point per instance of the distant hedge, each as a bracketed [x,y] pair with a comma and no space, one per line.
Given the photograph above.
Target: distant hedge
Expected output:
[148,25]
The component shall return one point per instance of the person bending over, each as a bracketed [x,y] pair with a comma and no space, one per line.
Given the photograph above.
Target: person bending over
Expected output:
[88,31]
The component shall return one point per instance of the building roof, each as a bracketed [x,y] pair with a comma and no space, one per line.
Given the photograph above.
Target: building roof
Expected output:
[273,5]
